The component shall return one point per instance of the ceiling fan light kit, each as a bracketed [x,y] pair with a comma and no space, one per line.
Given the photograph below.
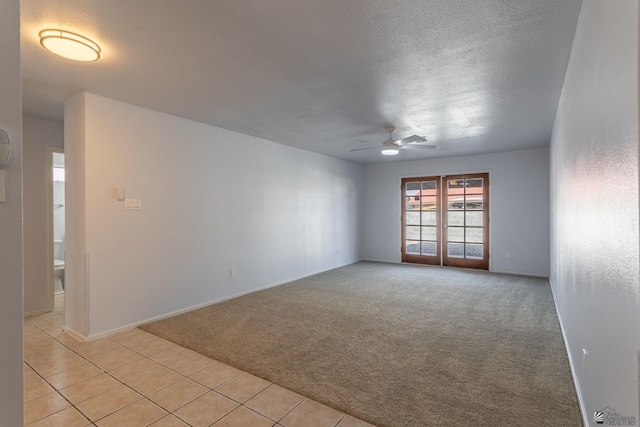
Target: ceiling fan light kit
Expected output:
[391,147]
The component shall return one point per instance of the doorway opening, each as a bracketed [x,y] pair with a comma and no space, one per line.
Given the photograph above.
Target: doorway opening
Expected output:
[445,220]
[57,228]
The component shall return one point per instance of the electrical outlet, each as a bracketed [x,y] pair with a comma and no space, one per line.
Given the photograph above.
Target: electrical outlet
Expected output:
[585,359]
[133,204]
[232,273]
[507,255]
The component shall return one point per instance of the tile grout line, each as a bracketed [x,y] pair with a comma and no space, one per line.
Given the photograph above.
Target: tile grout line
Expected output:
[55,389]
[98,367]
[103,371]
[145,396]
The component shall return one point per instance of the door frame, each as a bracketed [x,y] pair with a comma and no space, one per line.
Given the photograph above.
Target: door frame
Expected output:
[413,258]
[49,229]
[482,264]
[441,174]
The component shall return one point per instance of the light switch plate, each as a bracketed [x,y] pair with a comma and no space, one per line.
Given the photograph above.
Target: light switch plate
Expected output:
[132,204]
[118,193]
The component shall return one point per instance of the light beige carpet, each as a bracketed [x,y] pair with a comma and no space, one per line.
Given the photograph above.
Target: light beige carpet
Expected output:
[399,345]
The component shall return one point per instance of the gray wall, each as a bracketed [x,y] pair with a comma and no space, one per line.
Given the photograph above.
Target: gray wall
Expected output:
[594,209]
[38,134]
[519,209]
[11,390]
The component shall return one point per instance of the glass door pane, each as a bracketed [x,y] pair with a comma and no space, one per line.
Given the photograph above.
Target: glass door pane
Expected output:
[466,221]
[420,218]
[448,227]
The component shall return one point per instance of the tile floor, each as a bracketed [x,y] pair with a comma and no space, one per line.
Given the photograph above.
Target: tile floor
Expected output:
[135,379]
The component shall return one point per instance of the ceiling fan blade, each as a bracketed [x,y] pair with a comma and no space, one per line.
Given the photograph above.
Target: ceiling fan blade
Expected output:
[412,138]
[368,142]
[419,147]
[360,149]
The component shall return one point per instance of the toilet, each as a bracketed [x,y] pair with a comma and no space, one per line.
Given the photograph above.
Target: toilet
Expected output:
[58,266]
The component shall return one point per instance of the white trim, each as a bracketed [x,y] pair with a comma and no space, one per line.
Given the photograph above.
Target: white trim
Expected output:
[386,261]
[583,409]
[36,312]
[104,334]
[49,227]
[75,334]
[517,273]
[87,301]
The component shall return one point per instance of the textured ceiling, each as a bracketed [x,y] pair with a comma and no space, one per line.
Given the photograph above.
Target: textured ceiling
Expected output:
[473,76]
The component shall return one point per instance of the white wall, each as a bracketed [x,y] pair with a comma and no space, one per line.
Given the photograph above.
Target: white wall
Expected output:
[76,292]
[518,212]
[11,386]
[59,217]
[58,212]
[594,177]
[38,134]
[212,200]
[59,226]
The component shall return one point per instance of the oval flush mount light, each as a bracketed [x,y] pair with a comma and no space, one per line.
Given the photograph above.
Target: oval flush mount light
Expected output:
[70,45]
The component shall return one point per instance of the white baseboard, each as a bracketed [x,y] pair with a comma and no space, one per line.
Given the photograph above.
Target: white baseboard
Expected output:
[197,306]
[75,334]
[583,409]
[36,312]
[515,273]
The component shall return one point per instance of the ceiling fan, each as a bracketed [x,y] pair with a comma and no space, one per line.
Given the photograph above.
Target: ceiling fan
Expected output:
[391,147]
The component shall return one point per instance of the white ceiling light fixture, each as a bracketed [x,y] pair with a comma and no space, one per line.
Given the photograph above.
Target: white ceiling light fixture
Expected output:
[70,45]
[390,151]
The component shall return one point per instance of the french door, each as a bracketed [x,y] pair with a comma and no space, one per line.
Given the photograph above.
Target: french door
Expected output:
[445,220]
